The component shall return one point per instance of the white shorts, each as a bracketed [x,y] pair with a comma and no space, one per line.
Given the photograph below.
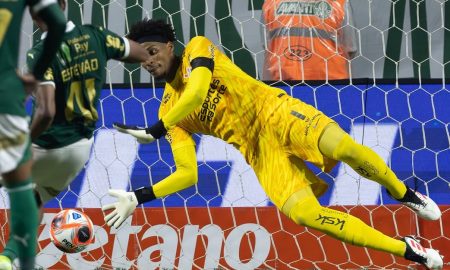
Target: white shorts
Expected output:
[14,141]
[54,169]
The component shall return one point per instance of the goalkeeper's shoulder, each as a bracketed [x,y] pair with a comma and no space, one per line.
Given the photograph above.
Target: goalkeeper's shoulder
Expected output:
[199,41]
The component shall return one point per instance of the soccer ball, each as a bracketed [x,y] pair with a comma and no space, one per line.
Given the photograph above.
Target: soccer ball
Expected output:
[71,231]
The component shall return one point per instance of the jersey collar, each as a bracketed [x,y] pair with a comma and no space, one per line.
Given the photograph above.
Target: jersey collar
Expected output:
[69,27]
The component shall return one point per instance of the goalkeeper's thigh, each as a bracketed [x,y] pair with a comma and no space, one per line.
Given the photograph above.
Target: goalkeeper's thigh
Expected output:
[338,145]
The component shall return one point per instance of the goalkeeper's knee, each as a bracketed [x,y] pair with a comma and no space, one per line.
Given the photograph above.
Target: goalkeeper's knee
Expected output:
[308,212]
[302,206]
[305,211]
[348,150]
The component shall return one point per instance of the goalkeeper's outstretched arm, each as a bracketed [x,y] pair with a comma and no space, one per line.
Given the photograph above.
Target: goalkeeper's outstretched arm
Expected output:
[194,95]
[185,176]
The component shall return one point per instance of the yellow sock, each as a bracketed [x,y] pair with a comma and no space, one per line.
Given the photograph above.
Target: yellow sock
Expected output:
[337,144]
[343,226]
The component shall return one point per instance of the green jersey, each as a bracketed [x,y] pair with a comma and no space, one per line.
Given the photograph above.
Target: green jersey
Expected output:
[11,12]
[78,73]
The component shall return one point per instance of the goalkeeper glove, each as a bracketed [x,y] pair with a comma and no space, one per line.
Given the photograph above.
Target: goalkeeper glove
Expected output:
[126,204]
[123,208]
[143,135]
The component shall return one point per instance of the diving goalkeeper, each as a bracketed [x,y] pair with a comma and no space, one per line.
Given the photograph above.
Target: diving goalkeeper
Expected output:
[206,93]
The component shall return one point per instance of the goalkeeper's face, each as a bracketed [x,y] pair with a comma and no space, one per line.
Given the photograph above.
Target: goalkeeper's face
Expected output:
[161,58]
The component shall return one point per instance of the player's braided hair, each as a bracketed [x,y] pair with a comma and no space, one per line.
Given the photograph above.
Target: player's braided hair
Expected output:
[148,27]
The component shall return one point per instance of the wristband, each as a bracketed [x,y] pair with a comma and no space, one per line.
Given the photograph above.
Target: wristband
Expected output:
[144,194]
[157,130]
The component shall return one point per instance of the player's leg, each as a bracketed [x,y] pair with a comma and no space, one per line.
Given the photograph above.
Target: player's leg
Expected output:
[15,154]
[293,188]
[337,144]
[304,209]
[55,169]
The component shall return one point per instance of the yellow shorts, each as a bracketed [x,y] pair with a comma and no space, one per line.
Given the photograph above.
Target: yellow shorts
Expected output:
[290,137]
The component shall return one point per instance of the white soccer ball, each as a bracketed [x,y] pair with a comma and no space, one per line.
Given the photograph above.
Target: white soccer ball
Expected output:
[71,231]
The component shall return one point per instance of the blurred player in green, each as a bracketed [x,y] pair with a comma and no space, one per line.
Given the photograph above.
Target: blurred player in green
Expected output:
[66,100]
[207,93]
[15,151]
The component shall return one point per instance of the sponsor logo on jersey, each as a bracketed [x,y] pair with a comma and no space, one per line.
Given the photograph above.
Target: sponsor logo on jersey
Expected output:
[187,72]
[215,94]
[63,55]
[212,50]
[48,75]
[166,98]
[114,42]
[321,9]
[169,137]
[78,39]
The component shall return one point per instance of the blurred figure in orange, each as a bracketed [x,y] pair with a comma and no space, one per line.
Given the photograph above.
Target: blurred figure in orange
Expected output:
[308,39]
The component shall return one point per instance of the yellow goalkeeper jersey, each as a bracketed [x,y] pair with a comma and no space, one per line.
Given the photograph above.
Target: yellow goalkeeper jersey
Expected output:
[236,106]
[274,132]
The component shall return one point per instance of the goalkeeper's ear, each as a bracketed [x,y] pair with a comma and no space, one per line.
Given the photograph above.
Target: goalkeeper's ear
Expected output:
[137,53]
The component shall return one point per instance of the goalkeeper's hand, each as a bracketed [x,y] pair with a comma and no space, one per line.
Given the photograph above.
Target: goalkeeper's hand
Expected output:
[123,208]
[139,133]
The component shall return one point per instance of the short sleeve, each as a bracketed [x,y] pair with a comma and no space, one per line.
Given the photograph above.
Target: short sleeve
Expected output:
[116,47]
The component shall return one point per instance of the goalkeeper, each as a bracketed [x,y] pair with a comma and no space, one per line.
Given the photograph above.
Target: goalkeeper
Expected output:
[206,93]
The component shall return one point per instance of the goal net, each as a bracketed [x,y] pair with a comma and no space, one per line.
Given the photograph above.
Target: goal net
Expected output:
[396,102]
